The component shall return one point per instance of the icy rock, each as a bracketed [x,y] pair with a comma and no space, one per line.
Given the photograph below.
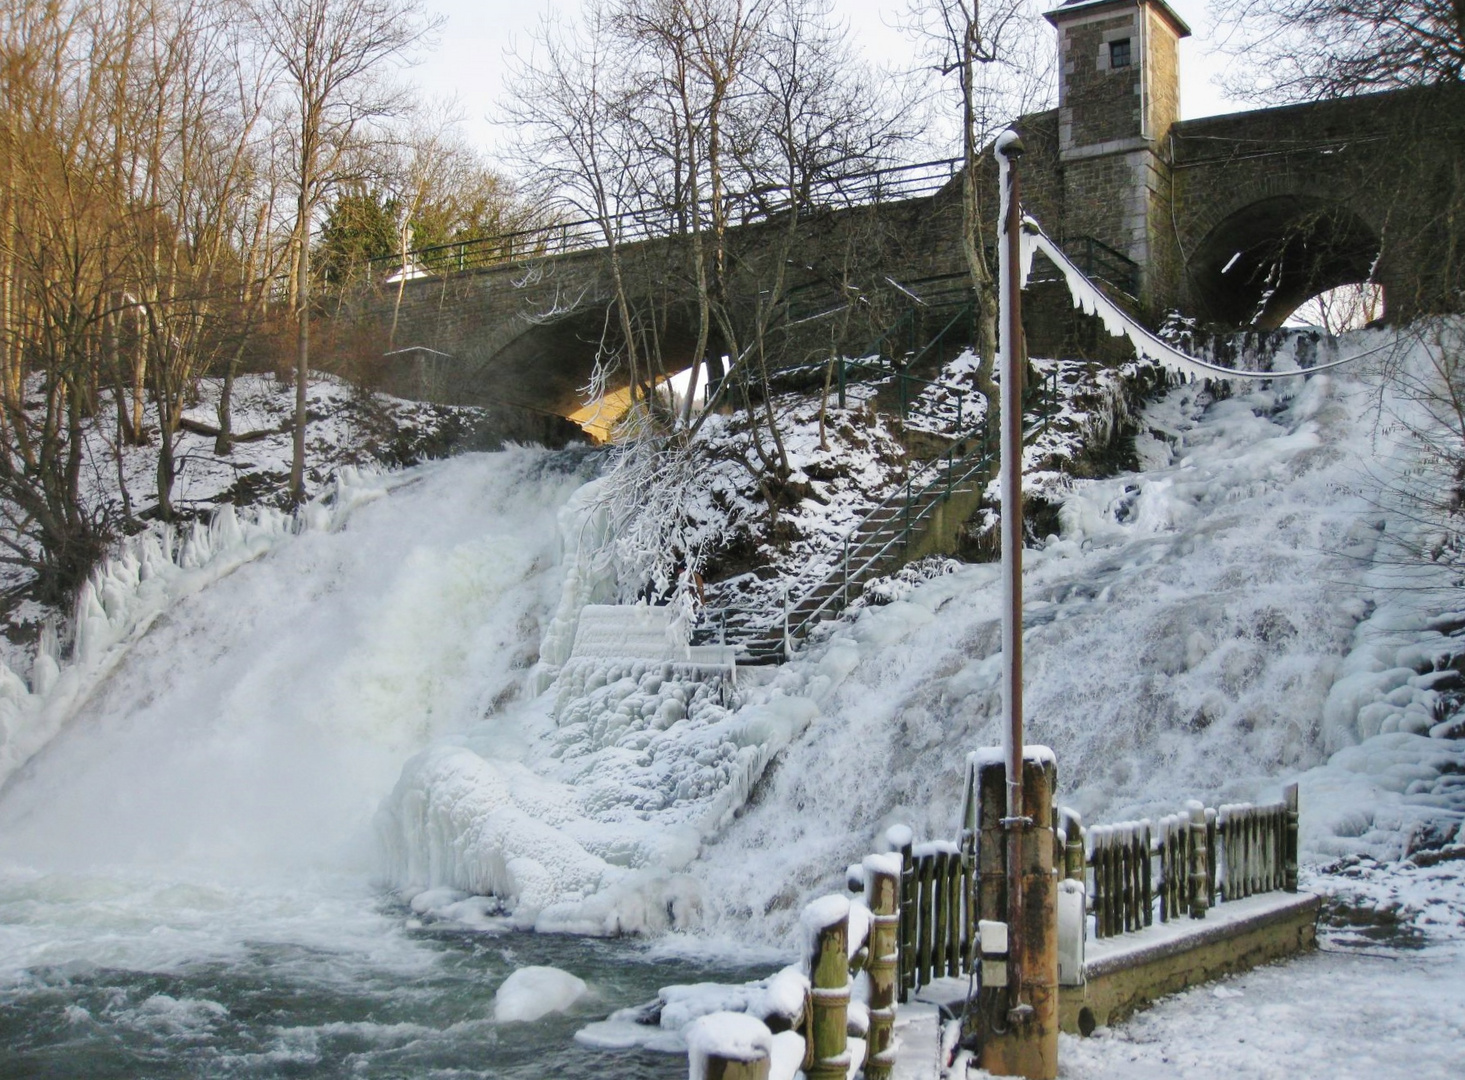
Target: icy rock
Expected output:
[532,992]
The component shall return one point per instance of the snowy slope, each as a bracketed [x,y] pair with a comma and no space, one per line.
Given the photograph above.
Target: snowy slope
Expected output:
[1208,627]
[1197,631]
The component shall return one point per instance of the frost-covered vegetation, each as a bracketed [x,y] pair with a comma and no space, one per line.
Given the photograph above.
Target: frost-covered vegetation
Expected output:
[348,428]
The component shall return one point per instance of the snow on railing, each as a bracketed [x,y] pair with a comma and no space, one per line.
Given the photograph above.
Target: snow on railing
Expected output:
[833,1033]
[1185,863]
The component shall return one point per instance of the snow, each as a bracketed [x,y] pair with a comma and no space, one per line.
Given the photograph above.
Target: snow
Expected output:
[532,992]
[397,671]
[1385,1015]
[663,1026]
[728,1035]
[1184,633]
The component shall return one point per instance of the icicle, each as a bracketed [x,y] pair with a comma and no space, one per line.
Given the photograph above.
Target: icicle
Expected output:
[46,667]
[1092,301]
[225,528]
[12,686]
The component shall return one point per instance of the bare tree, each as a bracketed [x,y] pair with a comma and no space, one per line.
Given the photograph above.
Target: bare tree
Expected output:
[1307,49]
[997,58]
[332,55]
[574,101]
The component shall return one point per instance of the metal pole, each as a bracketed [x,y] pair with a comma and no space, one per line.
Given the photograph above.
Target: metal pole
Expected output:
[1021,1010]
[1009,147]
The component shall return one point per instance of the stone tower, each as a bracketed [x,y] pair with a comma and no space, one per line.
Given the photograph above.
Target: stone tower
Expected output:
[1118,95]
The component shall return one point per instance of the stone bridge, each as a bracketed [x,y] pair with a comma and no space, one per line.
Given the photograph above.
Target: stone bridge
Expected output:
[1235,220]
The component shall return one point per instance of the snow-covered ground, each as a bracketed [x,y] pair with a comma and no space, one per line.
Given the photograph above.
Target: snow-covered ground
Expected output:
[1231,617]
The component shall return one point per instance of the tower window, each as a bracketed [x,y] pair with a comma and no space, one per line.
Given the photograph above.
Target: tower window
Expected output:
[1119,55]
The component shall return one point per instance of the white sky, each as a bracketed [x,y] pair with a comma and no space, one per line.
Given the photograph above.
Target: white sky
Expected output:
[468,61]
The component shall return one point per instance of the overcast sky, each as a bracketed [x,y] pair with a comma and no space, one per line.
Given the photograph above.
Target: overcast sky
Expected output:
[468,61]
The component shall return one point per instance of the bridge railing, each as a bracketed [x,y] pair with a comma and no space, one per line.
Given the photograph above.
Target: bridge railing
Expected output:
[891,184]
[1098,262]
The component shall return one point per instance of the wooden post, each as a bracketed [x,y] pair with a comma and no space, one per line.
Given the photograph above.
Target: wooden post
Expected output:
[1015,1041]
[724,1068]
[968,844]
[882,886]
[712,1055]
[1289,844]
[1147,843]
[1223,843]
[953,915]
[829,974]
[942,926]
[1211,816]
[1198,874]
[1073,854]
[925,864]
[907,918]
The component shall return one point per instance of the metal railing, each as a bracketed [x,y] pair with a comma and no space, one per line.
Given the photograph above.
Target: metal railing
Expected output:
[872,548]
[656,221]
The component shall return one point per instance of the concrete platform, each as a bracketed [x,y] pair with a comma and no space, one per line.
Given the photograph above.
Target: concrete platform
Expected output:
[1127,972]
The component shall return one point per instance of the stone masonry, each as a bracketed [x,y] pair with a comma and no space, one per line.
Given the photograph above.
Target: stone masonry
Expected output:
[1233,219]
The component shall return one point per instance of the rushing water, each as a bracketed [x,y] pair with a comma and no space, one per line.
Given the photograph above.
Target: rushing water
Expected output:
[186,871]
[388,1002]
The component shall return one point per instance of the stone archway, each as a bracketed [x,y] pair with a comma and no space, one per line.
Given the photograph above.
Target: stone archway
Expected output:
[1258,264]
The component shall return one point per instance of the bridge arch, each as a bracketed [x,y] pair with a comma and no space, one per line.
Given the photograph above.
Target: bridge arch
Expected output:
[1264,259]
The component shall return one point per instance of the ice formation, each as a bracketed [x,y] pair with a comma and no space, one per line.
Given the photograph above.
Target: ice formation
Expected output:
[532,992]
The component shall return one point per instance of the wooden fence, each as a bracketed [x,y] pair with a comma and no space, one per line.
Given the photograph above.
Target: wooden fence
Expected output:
[1184,864]
[919,919]
[1134,872]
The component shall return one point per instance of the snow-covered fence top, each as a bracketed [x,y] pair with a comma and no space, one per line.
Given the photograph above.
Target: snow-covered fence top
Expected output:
[1183,864]
[641,632]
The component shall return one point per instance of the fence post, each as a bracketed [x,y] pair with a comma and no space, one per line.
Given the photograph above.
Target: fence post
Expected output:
[1211,862]
[1147,850]
[1073,860]
[1198,874]
[841,380]
[787,642]
[709,1057]
[1020,1021]
[907,918]
[1289,846]
[882,893]
[970,812]
[924,865]
[828,920]
[953,914]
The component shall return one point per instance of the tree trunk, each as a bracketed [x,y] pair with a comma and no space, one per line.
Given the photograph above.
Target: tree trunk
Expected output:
[302,354]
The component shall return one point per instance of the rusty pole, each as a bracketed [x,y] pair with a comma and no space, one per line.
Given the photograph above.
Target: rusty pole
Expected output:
[1009,149]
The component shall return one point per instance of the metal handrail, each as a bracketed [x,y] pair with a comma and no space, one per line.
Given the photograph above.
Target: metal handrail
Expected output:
[920,491]
[897,182]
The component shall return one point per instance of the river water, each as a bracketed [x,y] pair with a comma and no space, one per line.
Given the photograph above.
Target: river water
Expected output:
[187,871]
[333,985]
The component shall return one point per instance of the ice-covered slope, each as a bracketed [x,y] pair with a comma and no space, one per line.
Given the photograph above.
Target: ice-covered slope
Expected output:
[1185,636]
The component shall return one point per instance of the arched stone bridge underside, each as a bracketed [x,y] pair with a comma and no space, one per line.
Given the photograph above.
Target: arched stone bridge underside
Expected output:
[1235,220]
[1271,207]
